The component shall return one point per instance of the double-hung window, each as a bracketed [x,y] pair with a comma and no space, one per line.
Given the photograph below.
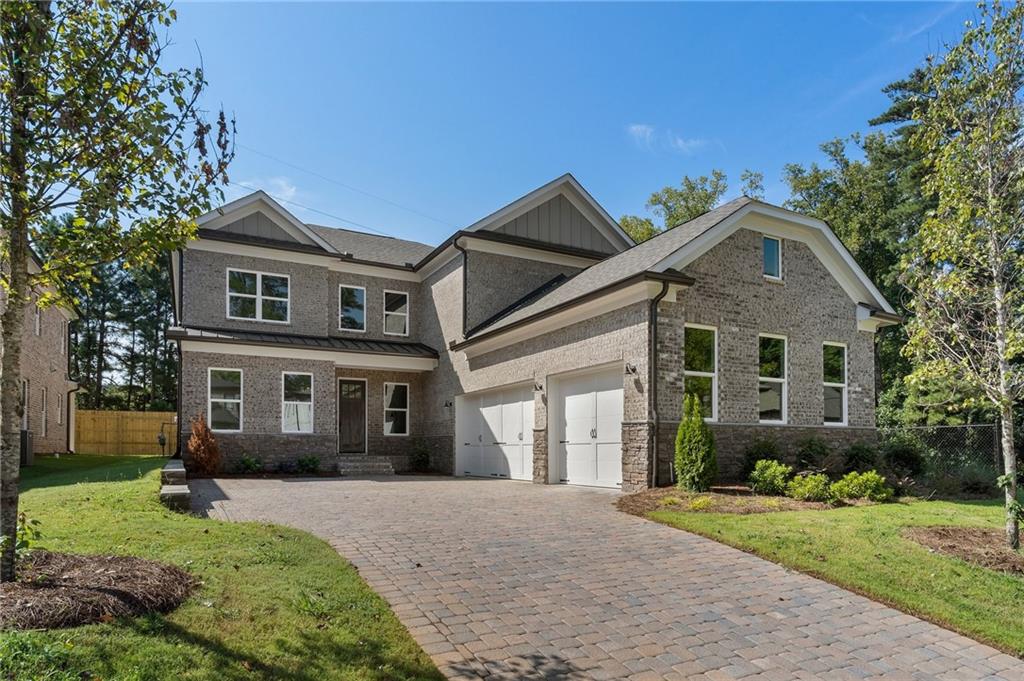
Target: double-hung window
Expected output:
[296,402]
[771,383]
[351,308]
[225,398]
[772,260]
[833,366]
[44,422]
[700,367]
[24,404]
[396,313]
[38,319]
[258,296]
[64,332]
[60,409]
[396,408]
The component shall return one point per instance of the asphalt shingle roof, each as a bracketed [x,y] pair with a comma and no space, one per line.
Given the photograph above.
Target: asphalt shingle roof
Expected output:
[372,247]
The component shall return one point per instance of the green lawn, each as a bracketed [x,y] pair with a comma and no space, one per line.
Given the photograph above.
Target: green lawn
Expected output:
[861,548]
[275,602]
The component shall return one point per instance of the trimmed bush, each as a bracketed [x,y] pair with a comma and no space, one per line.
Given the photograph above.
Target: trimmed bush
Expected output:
[861,457]
[770,477]
[308,464]
[868,485]
[696,462]
[761,448]
[812,453]
[904,454]
[202,445]
[249,464]
[809,488]
[419,457]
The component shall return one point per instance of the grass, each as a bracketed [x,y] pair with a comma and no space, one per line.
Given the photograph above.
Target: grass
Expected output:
[861,548]
[274,603]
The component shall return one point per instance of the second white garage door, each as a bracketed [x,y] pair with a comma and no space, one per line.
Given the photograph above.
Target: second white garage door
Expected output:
[590,438]
[496,434]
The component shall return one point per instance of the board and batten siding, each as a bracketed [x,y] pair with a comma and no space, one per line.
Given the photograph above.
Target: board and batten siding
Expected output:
[558,221]
[258,225]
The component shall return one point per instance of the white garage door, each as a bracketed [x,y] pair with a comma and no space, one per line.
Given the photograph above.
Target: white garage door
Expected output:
[496,434]
[590,442]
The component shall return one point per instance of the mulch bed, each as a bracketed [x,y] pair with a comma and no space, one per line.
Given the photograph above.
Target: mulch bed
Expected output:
[982,546]
[65,590]
[726,499]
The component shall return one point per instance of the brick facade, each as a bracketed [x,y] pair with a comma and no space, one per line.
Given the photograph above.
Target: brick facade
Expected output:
[44,364]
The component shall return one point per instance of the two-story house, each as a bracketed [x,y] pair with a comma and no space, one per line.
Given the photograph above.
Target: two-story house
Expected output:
[539,343]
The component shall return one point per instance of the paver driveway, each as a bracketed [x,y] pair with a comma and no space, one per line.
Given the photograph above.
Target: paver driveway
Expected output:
[512,580]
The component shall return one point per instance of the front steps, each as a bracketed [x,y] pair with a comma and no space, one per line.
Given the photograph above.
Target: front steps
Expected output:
[174,491]
[364,466]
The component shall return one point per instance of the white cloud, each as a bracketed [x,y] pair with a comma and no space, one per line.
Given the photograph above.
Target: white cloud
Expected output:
[685,145]
[649,137]
[641,133]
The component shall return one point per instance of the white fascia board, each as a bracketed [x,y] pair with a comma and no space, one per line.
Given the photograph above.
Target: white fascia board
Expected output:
[437,262]
[644,290]
[867,321]
[340,358]
[784,224]
[332,263]
[252,203]
[525,252]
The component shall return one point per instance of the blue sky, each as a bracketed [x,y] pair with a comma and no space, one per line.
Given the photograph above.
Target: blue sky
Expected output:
[415,120]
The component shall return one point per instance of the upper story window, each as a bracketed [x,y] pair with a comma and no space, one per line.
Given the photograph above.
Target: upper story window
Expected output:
[833,369]
[64,332]
[351,308]
[771,384]
[396,313]
[700,367]
[396,408]
[772,266]
[225,399]
[38,319]
[44,422]
[296,402]
[258,296]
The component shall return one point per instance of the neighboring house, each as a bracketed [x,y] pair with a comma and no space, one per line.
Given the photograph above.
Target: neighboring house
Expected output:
[523,346]
[47,391]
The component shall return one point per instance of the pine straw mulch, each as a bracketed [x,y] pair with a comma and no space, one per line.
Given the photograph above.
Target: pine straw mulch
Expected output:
[723,499]
[981,546]
[65,590]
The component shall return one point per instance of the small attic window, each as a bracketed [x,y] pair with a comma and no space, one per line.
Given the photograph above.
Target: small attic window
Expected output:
[772,265]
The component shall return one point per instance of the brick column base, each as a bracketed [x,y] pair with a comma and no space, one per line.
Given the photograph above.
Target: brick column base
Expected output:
[540,456]
[637,442]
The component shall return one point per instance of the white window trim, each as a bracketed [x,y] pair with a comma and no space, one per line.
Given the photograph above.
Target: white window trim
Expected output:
[60,409]
[366,412]
[258,296]
[407,314]
[765,274]
[846,378]
[407,410]
[312,399]
[785,376]
[240,400]
[38,320]
[703,374]
[44,423]
[343,328]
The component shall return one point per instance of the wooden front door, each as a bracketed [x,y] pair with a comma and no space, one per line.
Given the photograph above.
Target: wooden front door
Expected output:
[351,416]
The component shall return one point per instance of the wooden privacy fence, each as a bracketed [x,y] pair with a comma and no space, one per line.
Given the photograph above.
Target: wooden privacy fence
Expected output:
[123,432]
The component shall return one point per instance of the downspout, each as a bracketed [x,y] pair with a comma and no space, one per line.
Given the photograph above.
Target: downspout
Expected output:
[465,272]
[67,418]
[652,379]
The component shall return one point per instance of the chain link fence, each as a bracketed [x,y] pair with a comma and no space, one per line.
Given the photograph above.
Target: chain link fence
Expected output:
[950,459]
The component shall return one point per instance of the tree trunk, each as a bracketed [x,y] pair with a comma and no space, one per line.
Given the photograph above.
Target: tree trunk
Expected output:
[1010,470]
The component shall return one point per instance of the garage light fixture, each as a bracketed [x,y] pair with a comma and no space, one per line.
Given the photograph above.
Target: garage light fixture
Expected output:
[630,368]
[538,387]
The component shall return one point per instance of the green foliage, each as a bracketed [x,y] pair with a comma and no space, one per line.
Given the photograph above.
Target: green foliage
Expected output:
[640,229]
[250,464]
[753,184]
[814,487]
[904,453]
[33,657]
[770,477]
[761,448]
[812,452]
[860,456]
[26,535]
[308,464]
[700,503]
[419,457]
[868,485]
[696,461]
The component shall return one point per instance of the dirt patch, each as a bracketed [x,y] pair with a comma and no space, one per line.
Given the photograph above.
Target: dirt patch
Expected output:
[65,590]
[982,546]
[733,499]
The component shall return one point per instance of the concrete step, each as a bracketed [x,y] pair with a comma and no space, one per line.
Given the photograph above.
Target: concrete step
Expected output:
[173,473]
[356,466]
[176,497]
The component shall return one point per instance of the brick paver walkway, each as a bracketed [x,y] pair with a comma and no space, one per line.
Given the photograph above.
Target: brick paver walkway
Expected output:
[509,580]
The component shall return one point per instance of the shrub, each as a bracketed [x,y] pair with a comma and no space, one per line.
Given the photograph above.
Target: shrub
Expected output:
[977,478]
[203,448]
[868,485]
[770,477]
[26,534]
[308,464]
[761,448]
[811,453]
[701,503]
[905,454]
[860,456]
[419,458]
[812,487]
[696,462]
[249,464]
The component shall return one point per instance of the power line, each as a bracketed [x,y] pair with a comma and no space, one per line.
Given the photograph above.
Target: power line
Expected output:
[346,186]
[314,210]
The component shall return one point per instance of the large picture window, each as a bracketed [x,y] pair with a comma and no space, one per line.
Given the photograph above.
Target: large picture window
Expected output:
[296,402]
[396,408]
[771,384]
[396,313]
[225,396]
[833,367]
[700,367]
[258,296]
[351,308]
[772,267]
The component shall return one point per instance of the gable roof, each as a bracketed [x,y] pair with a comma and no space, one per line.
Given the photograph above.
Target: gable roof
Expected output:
[260,201]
